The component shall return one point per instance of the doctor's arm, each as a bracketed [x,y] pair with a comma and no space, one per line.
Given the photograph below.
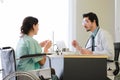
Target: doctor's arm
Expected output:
[107,46]
[76,45]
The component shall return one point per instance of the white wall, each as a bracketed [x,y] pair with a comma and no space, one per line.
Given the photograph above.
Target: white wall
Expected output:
[104,10]
[52,16]
[117,20]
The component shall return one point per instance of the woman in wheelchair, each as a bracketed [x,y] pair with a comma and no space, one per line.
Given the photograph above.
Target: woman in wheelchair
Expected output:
[28,45]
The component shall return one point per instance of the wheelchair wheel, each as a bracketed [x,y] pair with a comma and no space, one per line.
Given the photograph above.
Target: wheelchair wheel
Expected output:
[21,76]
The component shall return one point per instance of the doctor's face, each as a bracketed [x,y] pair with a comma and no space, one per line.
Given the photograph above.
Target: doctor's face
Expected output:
[87,24]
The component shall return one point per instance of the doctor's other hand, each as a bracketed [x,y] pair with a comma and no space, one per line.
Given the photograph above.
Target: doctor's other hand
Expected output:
[85,51]
[75,44]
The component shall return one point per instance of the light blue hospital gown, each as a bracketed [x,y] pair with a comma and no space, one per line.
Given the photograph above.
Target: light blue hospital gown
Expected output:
[27,45]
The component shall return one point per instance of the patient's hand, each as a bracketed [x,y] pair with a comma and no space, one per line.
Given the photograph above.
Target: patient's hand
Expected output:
[47,45]
[43,43]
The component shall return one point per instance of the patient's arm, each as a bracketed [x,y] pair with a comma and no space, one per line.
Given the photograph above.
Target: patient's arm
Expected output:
[42,44]
[42,62]
[46,47]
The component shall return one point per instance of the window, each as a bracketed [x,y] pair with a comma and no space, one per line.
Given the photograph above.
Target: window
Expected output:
[52,15]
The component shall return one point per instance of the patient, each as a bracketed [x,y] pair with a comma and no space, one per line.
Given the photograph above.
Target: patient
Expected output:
[28,45]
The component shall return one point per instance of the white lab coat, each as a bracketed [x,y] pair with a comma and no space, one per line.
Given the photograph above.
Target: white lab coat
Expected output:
[103,44]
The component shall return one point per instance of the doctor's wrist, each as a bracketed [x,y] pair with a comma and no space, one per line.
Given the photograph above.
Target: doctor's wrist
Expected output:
[79,48]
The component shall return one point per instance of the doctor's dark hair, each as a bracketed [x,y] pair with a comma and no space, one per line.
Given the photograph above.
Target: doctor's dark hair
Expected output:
[92,16]
[28,23]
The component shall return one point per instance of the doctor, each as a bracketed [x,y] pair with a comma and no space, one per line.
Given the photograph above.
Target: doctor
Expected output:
[99,42]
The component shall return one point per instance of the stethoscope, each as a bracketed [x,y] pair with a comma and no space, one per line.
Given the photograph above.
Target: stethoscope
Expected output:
[90,38]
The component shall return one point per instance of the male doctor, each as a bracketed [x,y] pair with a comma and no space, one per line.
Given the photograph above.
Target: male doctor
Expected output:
[99,42]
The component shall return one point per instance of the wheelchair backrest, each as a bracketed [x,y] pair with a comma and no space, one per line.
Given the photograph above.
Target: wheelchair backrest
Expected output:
[8,61]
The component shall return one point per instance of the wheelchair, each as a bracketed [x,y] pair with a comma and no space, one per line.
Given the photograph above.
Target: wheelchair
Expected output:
[116,71]
[9,71]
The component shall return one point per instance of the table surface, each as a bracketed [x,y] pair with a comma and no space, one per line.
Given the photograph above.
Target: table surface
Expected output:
[80,56]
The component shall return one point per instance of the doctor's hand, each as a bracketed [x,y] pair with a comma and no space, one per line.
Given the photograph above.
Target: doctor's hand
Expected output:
[85,51]
[75,44]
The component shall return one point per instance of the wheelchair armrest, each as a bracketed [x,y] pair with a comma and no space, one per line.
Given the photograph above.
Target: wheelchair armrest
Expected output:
[34,55]
[116,71]
[110,60]
[117,68]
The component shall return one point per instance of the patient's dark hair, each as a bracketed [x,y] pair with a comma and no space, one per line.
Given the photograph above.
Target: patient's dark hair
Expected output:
[92,16]
[28,23]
